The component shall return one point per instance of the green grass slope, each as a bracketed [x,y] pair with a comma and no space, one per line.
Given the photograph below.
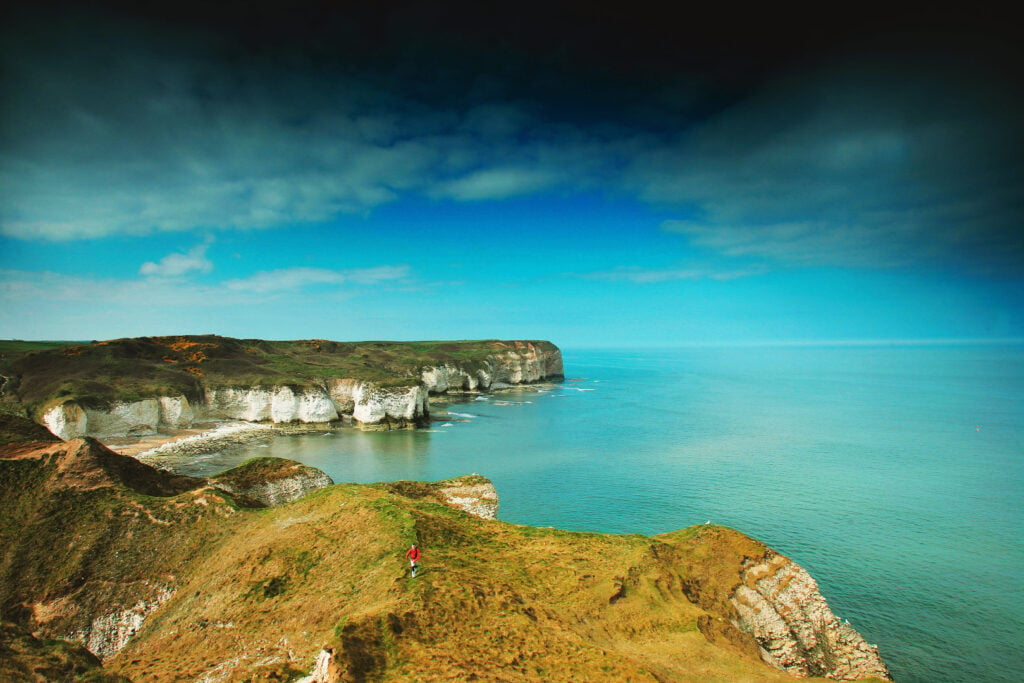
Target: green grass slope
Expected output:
[238,593]
[96,373]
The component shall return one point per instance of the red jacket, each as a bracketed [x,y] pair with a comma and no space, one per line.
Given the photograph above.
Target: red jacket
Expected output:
[413,554]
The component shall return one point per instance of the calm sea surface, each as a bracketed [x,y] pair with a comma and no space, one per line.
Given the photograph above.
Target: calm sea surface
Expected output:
[894,475]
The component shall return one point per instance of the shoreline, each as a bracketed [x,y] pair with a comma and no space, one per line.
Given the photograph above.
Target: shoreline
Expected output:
[209,437]
[194,441]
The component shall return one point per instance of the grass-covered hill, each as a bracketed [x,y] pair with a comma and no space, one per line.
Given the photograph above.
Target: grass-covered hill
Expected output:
[97,373]
[89,546]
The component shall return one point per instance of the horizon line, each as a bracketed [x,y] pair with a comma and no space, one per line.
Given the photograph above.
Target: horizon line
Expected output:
[867,342]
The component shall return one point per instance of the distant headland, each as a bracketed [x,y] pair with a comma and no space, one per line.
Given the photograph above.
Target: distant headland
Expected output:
[139,386]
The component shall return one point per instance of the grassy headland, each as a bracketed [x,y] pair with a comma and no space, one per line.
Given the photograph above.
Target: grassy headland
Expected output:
[39,374]
[254,593]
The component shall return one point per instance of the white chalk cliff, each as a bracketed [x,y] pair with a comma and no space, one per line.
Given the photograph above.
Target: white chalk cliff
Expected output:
[779,604]
[520,363]
[367,403]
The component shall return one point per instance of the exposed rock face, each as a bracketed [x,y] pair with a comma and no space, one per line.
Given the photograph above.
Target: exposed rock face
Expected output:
[520,363]
[70,420]
[780,605]
[439,379]
[474,494]
[273,404]
[368,403]
[111,631]
[175,411]
[272,481]
[67,421]
[374,404]
[325,670]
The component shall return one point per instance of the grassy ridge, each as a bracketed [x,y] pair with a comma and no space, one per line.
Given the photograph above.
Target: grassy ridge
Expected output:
[262,590]
[97,373]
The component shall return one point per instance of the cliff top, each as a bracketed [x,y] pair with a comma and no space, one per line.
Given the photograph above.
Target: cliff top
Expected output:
[254,593]
[97,373]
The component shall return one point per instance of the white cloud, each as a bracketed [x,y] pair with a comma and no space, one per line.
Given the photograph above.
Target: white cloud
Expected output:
[46,287]
[176,265]
[644,276]
[18,287]
[292,279]
[498,183]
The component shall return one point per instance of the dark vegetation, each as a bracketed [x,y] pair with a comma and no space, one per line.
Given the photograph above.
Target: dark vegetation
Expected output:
[24,657]
[38,374]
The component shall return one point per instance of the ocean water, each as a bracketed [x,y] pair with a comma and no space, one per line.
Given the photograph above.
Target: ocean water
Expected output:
[894,475]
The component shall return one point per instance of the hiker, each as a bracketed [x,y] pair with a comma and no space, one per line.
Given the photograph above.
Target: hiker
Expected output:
[413,553]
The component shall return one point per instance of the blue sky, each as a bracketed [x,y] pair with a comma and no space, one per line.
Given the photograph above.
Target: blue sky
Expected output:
[161,175]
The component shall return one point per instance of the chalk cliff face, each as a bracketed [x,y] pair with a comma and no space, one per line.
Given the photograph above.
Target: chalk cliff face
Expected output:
[140,386]
[366,402]
[779,604]
[517,363]
[403,405]
[269,404]
[67,421]
[70,420]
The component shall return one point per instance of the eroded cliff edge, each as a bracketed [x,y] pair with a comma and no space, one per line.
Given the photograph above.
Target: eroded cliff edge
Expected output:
[135,387]
[170,577]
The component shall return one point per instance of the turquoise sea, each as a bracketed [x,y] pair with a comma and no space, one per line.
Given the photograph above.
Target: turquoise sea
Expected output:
[893,474]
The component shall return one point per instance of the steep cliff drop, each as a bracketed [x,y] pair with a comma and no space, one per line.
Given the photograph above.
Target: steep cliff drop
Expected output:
[780,605]
[139,387]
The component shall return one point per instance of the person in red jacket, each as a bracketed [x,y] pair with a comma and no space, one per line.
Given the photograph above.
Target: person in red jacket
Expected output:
[413,553]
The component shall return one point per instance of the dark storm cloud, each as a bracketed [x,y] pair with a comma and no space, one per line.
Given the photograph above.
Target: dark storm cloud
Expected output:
[774,141]
[115,125]
[860,162]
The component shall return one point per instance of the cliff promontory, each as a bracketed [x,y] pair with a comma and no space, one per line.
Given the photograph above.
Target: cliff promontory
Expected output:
[174,578]
[133,387]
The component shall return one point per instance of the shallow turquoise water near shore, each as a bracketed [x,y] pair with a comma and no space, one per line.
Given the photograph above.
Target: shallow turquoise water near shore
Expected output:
[894,475]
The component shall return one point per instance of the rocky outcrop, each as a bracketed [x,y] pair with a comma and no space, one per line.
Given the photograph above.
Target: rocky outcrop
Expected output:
[109,388]
[67,420]
[108,633]
[473,494]
[515,363]
[325,670]
[272,481]
[92,546]
[779,604]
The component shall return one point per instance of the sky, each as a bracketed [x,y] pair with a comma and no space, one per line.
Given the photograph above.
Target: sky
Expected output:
[596,174]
